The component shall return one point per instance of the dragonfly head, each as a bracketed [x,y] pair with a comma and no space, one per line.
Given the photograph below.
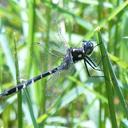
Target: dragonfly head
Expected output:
[88,47]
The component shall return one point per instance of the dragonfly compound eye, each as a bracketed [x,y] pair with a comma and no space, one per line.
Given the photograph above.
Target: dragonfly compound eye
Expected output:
[88,47]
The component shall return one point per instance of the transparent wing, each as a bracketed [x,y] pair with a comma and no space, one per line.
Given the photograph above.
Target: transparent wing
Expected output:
[56,85]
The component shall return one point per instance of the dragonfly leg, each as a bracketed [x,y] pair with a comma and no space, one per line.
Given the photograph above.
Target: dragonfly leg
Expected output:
[91,64]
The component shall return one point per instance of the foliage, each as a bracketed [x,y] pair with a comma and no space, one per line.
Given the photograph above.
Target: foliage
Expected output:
[33,36]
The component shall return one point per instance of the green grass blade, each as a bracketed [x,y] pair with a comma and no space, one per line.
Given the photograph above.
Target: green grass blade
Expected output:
[30,108]
[30,41]
[116,85]
[20,115]
[110,17]
[118,61]
[109,89]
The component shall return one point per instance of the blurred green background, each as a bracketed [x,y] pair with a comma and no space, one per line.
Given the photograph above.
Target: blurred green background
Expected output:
[34,35]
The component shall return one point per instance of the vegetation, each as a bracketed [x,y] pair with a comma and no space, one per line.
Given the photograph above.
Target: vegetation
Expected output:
[34,35]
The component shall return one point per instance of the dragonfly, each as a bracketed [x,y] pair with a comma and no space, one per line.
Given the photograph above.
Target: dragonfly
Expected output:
[72,56]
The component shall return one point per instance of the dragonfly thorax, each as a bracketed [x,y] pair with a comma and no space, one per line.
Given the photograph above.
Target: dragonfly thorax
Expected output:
[81,53]
[77,54]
